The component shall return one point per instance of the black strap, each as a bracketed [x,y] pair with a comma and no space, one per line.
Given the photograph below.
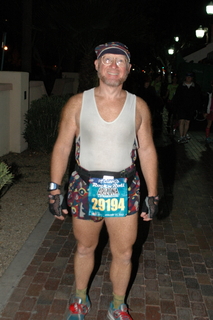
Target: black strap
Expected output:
[86,175]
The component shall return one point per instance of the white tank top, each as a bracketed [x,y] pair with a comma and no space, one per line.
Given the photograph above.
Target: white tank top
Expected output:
[106,146]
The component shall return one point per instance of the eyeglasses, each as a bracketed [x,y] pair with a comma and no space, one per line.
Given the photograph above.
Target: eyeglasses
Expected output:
[107,61]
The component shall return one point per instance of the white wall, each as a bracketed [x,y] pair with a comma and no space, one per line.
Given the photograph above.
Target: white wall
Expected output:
[75,77]
[16,95]
[18,107]
[37,90]
[5,90]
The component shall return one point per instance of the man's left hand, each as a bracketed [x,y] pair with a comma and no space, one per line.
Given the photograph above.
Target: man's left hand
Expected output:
[150,208]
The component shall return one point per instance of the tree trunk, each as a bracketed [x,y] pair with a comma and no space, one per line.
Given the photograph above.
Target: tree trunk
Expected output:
[26,35]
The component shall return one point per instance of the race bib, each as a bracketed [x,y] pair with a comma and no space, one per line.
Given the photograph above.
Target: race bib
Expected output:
[108,197]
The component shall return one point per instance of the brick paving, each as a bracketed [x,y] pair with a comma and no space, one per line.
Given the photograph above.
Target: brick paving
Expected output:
[172,277]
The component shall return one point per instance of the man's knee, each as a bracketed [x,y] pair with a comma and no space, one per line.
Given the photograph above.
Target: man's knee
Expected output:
[124,255]
[84,250]
[127,255]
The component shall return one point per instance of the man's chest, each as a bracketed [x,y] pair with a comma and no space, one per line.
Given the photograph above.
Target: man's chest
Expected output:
[110,110]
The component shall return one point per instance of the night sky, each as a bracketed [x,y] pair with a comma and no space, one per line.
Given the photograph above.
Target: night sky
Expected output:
[147,27]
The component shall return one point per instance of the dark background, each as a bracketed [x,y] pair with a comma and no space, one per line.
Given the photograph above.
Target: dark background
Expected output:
[47,37]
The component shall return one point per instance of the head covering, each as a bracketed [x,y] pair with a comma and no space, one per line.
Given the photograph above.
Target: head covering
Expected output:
[189,74]
[112,47]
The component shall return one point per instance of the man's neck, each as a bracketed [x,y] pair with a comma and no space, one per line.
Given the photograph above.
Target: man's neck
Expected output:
[109,92]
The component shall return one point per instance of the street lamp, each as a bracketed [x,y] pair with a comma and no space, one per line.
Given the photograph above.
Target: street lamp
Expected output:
[171,51]
[176,39]
[209,8]
[200,32]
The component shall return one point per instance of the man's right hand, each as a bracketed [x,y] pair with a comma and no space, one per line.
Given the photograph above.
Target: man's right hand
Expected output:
[57,206]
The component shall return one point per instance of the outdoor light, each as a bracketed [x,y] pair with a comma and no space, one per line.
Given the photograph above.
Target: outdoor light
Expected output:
[176,39]
[3,45]
[209,8]
[200,32]
[171,51]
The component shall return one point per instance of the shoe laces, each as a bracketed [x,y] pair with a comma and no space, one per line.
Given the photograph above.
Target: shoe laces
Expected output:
[122,315]
[78,308]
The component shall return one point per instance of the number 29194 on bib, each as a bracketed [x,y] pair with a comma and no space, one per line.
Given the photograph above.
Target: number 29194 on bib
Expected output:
[108,198]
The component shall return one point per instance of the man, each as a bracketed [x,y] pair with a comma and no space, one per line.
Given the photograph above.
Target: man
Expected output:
[109,124]
[208,112]
[187,100]
[171,89]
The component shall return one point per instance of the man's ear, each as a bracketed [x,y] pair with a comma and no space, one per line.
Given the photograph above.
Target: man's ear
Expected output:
[96,64]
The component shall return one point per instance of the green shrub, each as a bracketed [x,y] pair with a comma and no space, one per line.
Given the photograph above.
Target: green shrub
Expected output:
[9,175]
[6,176]
[41,122]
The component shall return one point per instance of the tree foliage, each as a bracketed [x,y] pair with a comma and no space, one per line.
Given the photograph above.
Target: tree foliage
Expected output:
[64,32]
[71,30]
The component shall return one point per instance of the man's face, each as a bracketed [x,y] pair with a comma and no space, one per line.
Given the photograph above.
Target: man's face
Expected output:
[188,79]
[146,84]
[112,69]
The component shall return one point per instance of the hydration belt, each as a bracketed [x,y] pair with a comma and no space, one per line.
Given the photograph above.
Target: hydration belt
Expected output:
[86,175]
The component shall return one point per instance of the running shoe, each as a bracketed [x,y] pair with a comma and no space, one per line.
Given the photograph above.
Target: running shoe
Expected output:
[118,314]
[182,140]
[187,137]
[208,140]
[78,309]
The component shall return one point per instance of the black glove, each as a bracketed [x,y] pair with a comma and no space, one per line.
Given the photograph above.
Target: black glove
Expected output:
[150,206]
[55,207]
[64,205]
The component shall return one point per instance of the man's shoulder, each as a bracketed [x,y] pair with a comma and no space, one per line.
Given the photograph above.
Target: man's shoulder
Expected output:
[140,101]
[74,104]
[197,86]
[75,99]
[141,105]
[79,96]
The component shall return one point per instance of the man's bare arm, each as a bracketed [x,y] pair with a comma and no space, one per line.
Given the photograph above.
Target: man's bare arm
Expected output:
[146,151]
[68,128]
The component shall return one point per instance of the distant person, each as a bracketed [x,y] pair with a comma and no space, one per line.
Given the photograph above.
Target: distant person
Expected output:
[148,94]
[171,89]
[208,113]
[156,83]
[187,99]
[110,126]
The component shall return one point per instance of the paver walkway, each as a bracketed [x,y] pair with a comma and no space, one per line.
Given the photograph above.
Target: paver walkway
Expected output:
[172,276]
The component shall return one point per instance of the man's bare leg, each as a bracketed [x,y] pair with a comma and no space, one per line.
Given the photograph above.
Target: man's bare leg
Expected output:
[181,128]
[87,236]
[122,235]
[186,127]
